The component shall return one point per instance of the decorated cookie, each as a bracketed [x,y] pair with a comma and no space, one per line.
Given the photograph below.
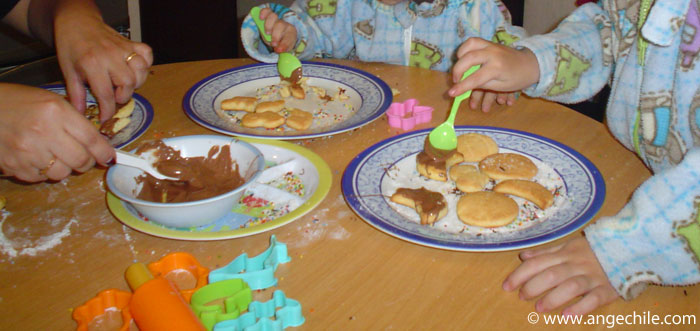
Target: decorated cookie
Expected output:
[503,166]
[430,206]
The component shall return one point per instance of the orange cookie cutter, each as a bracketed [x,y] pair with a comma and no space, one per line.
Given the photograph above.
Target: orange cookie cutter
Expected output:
[179,261]
[101,303]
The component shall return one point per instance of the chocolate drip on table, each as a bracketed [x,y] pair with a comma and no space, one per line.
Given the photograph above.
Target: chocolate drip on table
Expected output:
[199,177]
[429,202]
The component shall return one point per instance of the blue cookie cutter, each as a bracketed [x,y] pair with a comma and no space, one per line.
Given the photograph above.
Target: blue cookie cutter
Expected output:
[287,312]
[259,271]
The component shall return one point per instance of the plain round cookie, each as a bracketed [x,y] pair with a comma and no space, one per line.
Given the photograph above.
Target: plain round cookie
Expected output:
[475,147]
[504,166]
[487,209]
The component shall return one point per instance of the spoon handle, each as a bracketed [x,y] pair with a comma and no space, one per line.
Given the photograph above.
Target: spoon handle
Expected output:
[255,14]
[458,99]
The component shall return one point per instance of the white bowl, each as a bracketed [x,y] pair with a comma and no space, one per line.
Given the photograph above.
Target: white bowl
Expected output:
[121,181]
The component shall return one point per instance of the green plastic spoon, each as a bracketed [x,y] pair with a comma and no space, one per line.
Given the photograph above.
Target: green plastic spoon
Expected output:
[443,137]
[287,62]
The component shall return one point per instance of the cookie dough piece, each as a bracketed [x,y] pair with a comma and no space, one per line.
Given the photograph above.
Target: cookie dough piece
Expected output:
[270,106]
[487,209]
[297,92]
[299,119]
[528,190]
[268,120]
[125,110]
[239,103]
[430,206]
[504,166]
[436,168]
[433,163]
[475,147]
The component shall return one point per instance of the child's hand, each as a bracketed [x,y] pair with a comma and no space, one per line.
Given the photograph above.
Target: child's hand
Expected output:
[569,270]
[503,69]
[485,99]
[284,35]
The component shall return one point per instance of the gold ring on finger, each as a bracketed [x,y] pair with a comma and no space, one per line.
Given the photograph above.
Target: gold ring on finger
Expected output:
[130,56]
[45,170]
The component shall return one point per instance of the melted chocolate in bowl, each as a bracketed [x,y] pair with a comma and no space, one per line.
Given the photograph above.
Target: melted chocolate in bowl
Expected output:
[199,177]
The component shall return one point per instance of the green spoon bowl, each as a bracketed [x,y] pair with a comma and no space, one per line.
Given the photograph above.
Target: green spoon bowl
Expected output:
[443,137]
[287,62]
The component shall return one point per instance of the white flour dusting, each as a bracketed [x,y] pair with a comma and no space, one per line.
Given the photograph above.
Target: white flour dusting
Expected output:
[16,248]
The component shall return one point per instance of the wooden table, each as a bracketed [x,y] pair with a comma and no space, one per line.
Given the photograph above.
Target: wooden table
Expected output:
[61,245]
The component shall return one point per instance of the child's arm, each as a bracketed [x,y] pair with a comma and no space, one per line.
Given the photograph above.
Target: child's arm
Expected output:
[324,30]
[566,271]
[571,62]
[654,239]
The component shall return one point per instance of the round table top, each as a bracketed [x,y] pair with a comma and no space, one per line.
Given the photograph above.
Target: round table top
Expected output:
[61,245]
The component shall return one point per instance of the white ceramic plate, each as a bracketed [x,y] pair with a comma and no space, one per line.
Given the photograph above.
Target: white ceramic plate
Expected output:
[141,118]
[311,181]
[369,99]
[374,175]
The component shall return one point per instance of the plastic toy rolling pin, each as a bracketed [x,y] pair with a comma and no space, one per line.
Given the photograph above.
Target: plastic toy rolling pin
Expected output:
[156,304]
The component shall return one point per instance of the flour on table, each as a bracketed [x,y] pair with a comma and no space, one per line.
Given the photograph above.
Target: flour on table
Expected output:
[17,248]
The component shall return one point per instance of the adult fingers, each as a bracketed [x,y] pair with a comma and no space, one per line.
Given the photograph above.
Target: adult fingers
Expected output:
[71,152]
[595,298]
[85,134]
[58,170]
[75,90]
[100,85]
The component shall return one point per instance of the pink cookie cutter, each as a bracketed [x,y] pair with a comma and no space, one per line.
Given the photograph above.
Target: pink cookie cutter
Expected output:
[406,115]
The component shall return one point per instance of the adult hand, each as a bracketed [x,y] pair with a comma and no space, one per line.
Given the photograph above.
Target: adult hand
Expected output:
[89,51]
[503,69]
[284,35]
[43,137]
[567,271]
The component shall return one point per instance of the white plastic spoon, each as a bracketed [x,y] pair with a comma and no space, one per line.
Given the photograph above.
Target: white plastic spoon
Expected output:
[136,161]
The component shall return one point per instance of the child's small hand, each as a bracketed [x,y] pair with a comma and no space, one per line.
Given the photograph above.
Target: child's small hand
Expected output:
[284,35]
[569,270]
[503,69]
[485,99]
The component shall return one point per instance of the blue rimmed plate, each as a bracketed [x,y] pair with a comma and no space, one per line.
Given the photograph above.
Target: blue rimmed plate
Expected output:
[141,118]
[368,95]
[375,174]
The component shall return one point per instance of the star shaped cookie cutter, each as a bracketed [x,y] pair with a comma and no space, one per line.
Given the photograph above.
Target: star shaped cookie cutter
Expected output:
[287,313]
[408,114]
[258,272]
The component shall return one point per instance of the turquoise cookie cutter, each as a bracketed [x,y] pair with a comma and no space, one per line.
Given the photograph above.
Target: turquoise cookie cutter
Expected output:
[287,312]
[258,272]
[236,295]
